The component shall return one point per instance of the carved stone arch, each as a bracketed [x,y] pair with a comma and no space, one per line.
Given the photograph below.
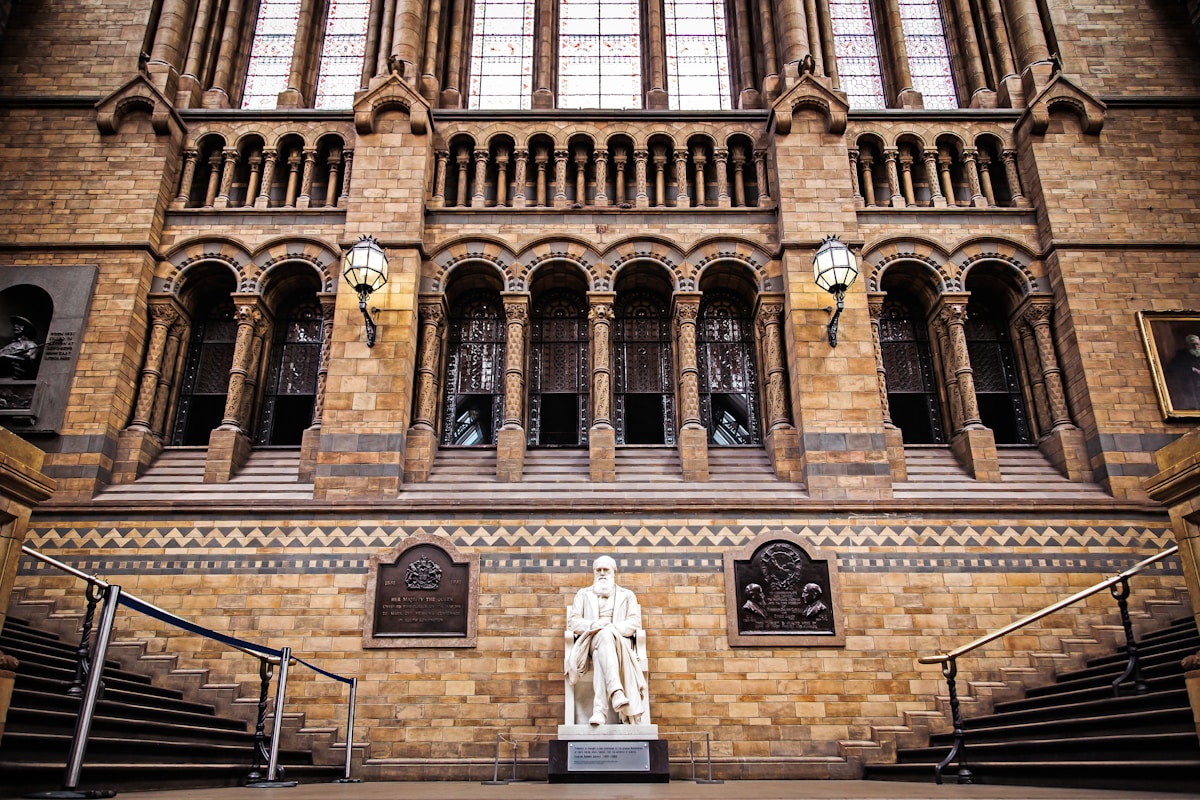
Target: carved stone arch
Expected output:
[994,252]
[745,254]
[578,253]
[1062,94]
[958,138]
[392,94]
[911,133]
[138,95]
[322,258]
[876,258]
[659,252]
[494,254]
[245,136]
[226,252]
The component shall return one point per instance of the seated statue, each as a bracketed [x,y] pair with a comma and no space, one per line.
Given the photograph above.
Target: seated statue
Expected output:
[604,625]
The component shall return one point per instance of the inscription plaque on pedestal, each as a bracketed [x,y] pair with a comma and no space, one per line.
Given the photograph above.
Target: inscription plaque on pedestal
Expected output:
[780,592]
[608,756]
[422,594]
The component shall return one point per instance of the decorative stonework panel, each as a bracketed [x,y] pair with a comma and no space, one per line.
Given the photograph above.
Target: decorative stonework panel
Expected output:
[422,593]
[782,592]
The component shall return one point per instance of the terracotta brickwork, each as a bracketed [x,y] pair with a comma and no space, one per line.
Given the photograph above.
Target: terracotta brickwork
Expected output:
[1063,196]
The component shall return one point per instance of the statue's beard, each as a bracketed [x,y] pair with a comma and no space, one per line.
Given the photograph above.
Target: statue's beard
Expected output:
[603,586]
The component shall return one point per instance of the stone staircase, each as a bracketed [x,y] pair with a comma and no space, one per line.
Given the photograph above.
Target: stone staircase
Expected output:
[1075,733]
[145,735]
[177,476]
[934,473]
[646,477]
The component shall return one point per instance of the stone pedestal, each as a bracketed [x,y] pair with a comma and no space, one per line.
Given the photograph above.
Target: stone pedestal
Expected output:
[894,438]
[1066,449]
[783,447]
[510,454]
[421,452]
[975,449]
[609,754]
[136,451]
[228,451]
[693,453]
[602,454]
[310,445]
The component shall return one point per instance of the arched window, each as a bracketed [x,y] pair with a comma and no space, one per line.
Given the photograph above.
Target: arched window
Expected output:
[599,54]
[697,55]
[474,404]
[291,386]
[994,364]
[644,380]
[271,53]
[928,55]
[857,53]
[339,75]
[907,360]
[558,370]
[728,375]
[206,375]
[502,55]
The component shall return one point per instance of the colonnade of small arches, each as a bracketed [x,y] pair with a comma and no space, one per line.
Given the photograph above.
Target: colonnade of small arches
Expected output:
[260,171]
[945,170]
[634,169]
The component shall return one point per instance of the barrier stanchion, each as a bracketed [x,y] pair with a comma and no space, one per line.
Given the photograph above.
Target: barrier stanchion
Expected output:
[274,780]
[350,733]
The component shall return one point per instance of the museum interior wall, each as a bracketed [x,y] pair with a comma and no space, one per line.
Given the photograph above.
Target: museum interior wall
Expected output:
[600,333]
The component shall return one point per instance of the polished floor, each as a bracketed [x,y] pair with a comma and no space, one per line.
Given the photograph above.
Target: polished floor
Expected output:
[676,790]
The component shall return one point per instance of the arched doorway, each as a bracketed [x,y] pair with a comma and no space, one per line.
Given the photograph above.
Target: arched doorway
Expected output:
[908,361]
[290,390]
[559,370]
[994,364]
[729,405]
[474,401]
[644,407]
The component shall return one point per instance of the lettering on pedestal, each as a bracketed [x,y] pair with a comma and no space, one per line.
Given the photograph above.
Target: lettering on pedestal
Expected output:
[422,594]
[781,592]
[608,756]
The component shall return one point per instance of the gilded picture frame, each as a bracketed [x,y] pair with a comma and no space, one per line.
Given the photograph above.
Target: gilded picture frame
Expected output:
[1174,361]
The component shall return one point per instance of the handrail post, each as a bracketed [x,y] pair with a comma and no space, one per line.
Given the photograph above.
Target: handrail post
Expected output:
[83,655]
[1120,592]
[260,737]
[708,754]
[350,733]
[87,704]
[274,779]
[958,750]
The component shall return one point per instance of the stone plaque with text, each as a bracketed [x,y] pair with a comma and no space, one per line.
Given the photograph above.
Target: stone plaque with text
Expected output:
[781,592]
[422,594]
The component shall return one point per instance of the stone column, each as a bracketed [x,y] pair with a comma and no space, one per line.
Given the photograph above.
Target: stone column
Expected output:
[347,168]
[743,67]
[510,440]
[294,164]
[331,186]
[868,178]
[699,159]
[229,444]
[660,176]
[479,198]
[893,28]
[654,48]
[463,159]
[545,52]
[139,443]
[502,179]
[255,161]
[944,162]
[602,438]
[540,160]
[166,56]
[693,438]
[771,82]
[855,184]
[974,445]
[214,179]
[971,167]
[1064,444]
[619,160]
[560,179]
[310,440]
[601,196]
[190,155]
[906,180]
[581,160]
[521,157]
[760,171]
[639,163]
[985,179]
[682,200]
[936,198]
[893,436]
[452,90]
[428,80]
[782,440]
[890,156]
[228,165]
[231,41]
[168,388]
[739,177]
[306,178]
[721,160]
[1014,179]
[969,48]
[423,434]
[1029,39]
[264,193]
[793,28]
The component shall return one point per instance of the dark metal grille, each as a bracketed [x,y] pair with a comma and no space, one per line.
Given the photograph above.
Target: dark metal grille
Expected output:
[291,387]
[994,364]
[474,406]
[206,376]
[559,371]
[907,359]
[729,404]
[644,376]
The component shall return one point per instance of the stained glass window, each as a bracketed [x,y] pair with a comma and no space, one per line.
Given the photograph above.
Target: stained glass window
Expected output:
[599,54]
[697,55]
[857,53]
[340,74]
[501,55]
[928,57]
[271,54]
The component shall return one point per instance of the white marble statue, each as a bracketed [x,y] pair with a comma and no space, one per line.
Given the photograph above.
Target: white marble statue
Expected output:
[603,617]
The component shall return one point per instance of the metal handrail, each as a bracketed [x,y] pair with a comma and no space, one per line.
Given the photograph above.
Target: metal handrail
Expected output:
[1050,609]
[1118,585]
[113,597]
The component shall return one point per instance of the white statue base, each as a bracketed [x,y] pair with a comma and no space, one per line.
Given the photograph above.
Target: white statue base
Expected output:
[613,733]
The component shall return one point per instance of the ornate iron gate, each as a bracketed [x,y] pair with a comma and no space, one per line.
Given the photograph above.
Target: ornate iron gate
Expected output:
[291,387]
[908,361]
[997,387]
[644,381]
[206,376]
[474,402]
[729,405]
[559,371]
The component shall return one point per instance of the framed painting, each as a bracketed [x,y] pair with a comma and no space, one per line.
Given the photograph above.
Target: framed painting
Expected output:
[1172,340]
